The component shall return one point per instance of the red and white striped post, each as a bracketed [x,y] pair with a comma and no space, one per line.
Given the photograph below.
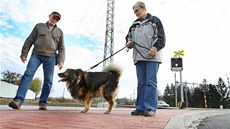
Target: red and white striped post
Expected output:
[205,100]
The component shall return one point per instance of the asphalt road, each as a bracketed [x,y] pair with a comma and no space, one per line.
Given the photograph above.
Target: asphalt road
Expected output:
[216,122]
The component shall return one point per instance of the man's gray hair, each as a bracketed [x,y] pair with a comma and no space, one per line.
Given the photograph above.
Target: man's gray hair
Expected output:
[140,4]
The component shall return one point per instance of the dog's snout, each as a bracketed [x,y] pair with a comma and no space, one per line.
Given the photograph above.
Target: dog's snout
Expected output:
[60,74]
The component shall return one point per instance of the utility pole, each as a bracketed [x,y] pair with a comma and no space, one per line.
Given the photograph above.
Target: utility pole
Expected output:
[109,34]
[63,93]
[181,87]
[175,90]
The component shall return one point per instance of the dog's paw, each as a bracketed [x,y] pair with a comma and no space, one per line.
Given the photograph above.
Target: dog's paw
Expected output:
[83,111]
[107,112]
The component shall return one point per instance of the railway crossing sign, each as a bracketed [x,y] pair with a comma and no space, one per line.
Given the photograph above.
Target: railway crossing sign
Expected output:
[176,61]
[179,53]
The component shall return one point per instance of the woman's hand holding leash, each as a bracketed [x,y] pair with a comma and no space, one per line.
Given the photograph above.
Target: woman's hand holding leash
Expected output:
[152,52]
[129,44]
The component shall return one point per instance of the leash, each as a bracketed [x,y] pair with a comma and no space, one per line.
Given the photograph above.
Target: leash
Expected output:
[121,50]
[106,58]
[140,52]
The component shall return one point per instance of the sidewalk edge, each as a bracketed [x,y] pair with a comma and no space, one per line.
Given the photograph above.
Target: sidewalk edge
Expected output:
[185,121]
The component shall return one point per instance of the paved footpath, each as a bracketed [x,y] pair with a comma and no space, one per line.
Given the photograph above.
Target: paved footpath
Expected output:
[71,118]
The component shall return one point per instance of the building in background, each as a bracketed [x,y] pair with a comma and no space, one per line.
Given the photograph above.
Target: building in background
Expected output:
[8,90]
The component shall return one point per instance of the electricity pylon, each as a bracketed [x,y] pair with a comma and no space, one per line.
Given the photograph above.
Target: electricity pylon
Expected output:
[109,45]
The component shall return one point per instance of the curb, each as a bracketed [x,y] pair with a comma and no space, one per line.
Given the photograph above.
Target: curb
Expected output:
[191,120]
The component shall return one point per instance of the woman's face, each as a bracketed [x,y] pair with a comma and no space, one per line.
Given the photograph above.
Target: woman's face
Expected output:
[139,12]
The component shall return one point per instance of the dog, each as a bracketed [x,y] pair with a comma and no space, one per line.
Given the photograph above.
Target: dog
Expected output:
[85,86]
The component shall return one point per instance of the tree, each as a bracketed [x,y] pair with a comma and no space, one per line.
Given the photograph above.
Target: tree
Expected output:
[223,91]
[213,97]
[11,77]
[204,86]
[124,101]
[197,98]
[216,95]
[169,95]
[35,86]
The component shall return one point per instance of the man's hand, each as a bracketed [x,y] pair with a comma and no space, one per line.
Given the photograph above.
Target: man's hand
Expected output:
[23,58]
[60,65]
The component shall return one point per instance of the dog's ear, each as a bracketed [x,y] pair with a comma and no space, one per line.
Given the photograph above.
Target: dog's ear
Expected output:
[80,74]
[71,77]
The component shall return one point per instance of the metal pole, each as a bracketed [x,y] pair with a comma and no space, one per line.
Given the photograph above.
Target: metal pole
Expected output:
[186,97]
[64,93]
[181,88]
[175,90]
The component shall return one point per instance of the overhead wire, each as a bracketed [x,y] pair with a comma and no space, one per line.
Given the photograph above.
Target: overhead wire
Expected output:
[95,18]
[84,15]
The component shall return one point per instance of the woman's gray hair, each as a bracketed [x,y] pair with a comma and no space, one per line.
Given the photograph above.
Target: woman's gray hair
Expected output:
[140,4]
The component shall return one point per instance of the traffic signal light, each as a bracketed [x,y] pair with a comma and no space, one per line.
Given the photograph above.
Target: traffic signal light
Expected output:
[176,63]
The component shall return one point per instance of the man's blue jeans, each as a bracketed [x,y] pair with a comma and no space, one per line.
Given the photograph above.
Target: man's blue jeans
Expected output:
[147,96]
[32,66]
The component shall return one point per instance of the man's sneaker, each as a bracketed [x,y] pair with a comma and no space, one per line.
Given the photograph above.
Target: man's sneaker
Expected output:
[43,107]
[137,112]
[149,112]
[15,104]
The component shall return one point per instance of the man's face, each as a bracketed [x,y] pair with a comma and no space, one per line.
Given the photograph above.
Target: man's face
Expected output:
[53,20]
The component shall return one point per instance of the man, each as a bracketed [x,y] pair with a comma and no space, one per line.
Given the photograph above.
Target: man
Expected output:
[48,42]
[146,36]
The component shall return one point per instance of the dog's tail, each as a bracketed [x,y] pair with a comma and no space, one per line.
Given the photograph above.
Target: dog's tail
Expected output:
[114,69]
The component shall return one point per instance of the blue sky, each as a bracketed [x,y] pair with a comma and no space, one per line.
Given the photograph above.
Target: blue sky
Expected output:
[199,27]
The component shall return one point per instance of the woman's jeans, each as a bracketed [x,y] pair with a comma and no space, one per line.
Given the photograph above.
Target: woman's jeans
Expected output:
[147,96]
[32,66]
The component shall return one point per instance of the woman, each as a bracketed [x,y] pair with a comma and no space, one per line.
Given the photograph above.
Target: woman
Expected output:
[146,36]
